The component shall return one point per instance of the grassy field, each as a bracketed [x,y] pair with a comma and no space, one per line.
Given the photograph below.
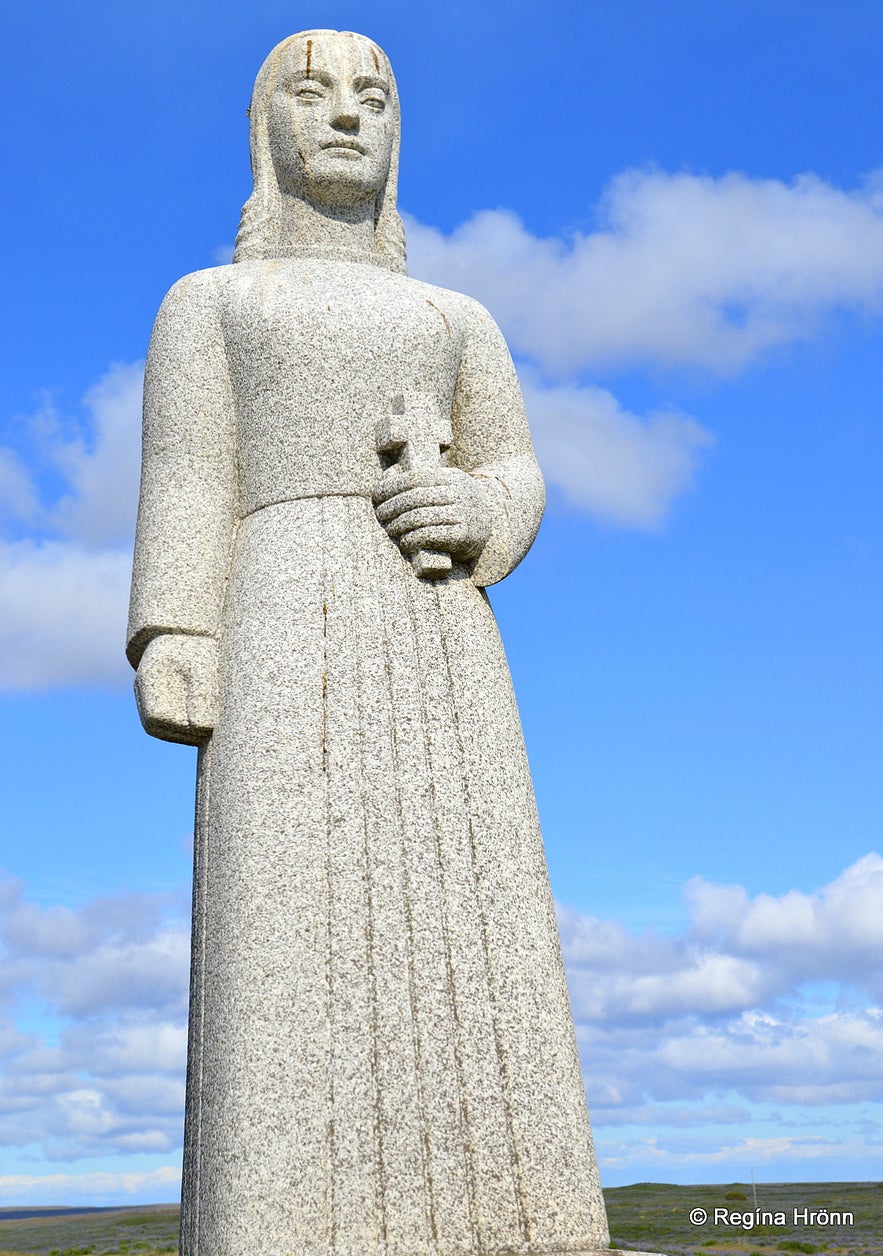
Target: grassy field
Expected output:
[657,1218]
[123,1232]
[649,1217]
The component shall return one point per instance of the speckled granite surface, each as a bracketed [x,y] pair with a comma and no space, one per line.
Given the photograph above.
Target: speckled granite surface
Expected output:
[382,1057]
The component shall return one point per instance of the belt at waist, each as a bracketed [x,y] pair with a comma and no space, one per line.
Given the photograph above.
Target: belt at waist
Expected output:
[297,494]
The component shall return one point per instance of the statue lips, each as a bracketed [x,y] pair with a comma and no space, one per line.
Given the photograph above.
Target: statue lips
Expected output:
[345,148]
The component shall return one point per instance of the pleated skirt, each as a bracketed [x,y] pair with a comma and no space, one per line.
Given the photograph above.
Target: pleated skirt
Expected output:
[382,1059]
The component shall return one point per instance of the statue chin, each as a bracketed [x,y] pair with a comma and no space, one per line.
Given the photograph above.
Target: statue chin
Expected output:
[341,188]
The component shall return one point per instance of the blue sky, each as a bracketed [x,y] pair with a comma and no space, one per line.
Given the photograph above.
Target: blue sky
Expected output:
[675,212]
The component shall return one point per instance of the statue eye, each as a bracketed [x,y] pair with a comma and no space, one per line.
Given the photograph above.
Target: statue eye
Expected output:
[375,101]
[308,91]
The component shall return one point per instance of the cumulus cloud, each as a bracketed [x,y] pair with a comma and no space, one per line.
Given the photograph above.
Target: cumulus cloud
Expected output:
[106,1076]
[64,585]
[621,468]
[683,270]
[739,952]
[733,1009]
[616,976]
[115,953]
[827,1059]
[64,617]
[101,462]
[835,934]
[18,496]
[680,1033]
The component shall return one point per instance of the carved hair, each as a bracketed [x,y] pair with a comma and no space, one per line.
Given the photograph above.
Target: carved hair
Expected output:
[257,237]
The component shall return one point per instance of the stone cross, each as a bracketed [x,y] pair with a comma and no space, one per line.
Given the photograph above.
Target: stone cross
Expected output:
[417,434]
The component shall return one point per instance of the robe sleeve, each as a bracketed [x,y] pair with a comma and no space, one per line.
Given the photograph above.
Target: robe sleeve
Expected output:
[187,509]
[492,442]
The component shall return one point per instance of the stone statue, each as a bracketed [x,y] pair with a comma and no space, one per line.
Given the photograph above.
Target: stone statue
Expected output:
[336,462]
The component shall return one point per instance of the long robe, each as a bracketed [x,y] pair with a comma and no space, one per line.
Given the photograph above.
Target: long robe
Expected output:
[382,1059]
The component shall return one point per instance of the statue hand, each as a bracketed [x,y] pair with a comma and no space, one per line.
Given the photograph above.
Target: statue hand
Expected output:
[444,509]
[176,687]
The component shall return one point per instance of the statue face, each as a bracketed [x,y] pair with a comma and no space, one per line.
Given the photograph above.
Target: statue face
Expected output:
[330,121]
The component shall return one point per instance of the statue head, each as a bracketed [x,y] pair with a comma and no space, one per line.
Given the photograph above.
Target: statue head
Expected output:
[325,128]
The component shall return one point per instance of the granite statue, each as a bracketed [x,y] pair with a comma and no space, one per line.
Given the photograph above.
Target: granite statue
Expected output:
[336,464]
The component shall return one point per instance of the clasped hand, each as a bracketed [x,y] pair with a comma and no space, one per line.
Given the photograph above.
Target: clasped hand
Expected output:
[444,509]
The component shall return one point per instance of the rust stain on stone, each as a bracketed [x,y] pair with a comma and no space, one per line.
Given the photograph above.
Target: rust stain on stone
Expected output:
[309,58]
[443,315]
[325,687]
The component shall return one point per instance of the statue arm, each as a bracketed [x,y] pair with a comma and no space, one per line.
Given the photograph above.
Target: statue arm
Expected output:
[186,515]
[492,443]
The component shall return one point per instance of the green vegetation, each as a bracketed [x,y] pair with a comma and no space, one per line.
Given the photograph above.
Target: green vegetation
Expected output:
[144,1231]
[655,1217]
[649,1216]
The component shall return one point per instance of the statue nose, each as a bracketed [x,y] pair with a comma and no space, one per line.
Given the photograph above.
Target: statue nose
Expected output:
[345,115]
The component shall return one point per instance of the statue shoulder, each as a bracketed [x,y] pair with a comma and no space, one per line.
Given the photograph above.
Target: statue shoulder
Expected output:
[201,292]
[189,324]
[470,315]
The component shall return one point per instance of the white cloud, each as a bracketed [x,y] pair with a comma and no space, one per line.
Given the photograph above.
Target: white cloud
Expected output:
[109,983]
[64,932]
[828,1059]
[142,974]
[116,953]
[18,496]
[25,1188]
[64,587]
[739,952]
[64,614]
[684,270]
[731,1011]
[622,469]
[724,1157]
[101,463]
[836,933]
[680,1033]
[140,1046]
[96,1091]
[616,977]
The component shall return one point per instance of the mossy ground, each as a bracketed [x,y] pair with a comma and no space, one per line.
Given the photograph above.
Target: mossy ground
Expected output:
[650,1216]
